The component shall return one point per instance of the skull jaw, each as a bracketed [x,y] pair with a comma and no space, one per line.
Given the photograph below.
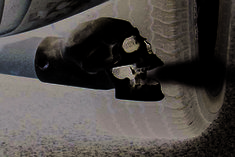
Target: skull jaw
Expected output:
[146,92]
[132,83]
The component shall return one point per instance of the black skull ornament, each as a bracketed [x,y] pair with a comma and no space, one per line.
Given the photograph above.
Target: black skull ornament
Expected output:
[104,53]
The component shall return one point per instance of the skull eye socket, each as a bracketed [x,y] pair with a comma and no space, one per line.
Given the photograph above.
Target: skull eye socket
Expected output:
[130,44]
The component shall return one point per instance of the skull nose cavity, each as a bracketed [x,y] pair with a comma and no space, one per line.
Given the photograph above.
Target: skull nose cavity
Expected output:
[130,44]
[123,72]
